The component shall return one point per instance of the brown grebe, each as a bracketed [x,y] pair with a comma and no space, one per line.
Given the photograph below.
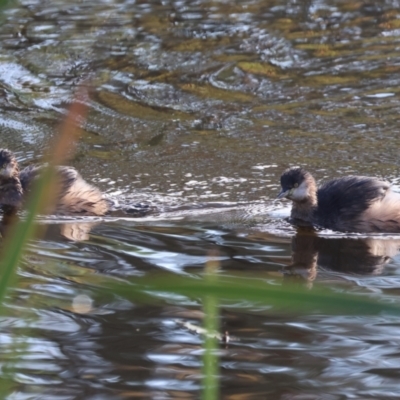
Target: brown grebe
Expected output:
[350,204]
[74,194]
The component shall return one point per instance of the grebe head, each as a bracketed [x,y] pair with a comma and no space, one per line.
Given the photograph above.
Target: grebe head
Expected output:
[8,164]
[297,185]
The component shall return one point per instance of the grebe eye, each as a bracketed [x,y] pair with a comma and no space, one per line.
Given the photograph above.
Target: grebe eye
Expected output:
[296,185]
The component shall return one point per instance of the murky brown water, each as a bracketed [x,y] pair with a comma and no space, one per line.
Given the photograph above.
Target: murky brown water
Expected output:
[193,102]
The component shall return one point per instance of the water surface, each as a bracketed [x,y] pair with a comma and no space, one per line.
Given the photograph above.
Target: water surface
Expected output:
[196,107]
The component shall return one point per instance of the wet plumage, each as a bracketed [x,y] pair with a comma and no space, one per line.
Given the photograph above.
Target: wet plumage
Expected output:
[352,203]
[74,194]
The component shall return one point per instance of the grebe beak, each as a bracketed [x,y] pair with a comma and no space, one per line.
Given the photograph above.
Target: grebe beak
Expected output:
[283,193]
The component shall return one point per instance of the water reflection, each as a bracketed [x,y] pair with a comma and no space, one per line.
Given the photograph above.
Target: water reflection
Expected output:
[77,231]
[74,229]
[115,346]
[349,255]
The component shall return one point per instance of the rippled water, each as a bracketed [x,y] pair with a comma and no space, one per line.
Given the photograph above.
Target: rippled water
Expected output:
[195,108]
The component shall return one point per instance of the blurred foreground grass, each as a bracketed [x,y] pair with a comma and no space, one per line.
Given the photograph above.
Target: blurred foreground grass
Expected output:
[289,298]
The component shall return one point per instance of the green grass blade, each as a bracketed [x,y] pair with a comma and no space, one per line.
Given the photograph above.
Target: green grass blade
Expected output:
[210,356]
[286,298]
[211,325]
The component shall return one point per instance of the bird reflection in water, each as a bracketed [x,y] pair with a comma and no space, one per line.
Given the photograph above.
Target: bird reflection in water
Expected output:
[351,255]
[75,230]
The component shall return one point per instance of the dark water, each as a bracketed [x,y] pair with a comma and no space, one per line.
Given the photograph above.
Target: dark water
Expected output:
[196,107]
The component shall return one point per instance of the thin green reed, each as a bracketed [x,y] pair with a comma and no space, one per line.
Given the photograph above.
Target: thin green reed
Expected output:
[211,325]
[286,298]
[210,355]
[9,262]
[7,269]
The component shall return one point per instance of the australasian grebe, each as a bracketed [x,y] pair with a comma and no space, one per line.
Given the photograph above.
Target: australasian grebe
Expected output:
[350,204]
[74,195]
